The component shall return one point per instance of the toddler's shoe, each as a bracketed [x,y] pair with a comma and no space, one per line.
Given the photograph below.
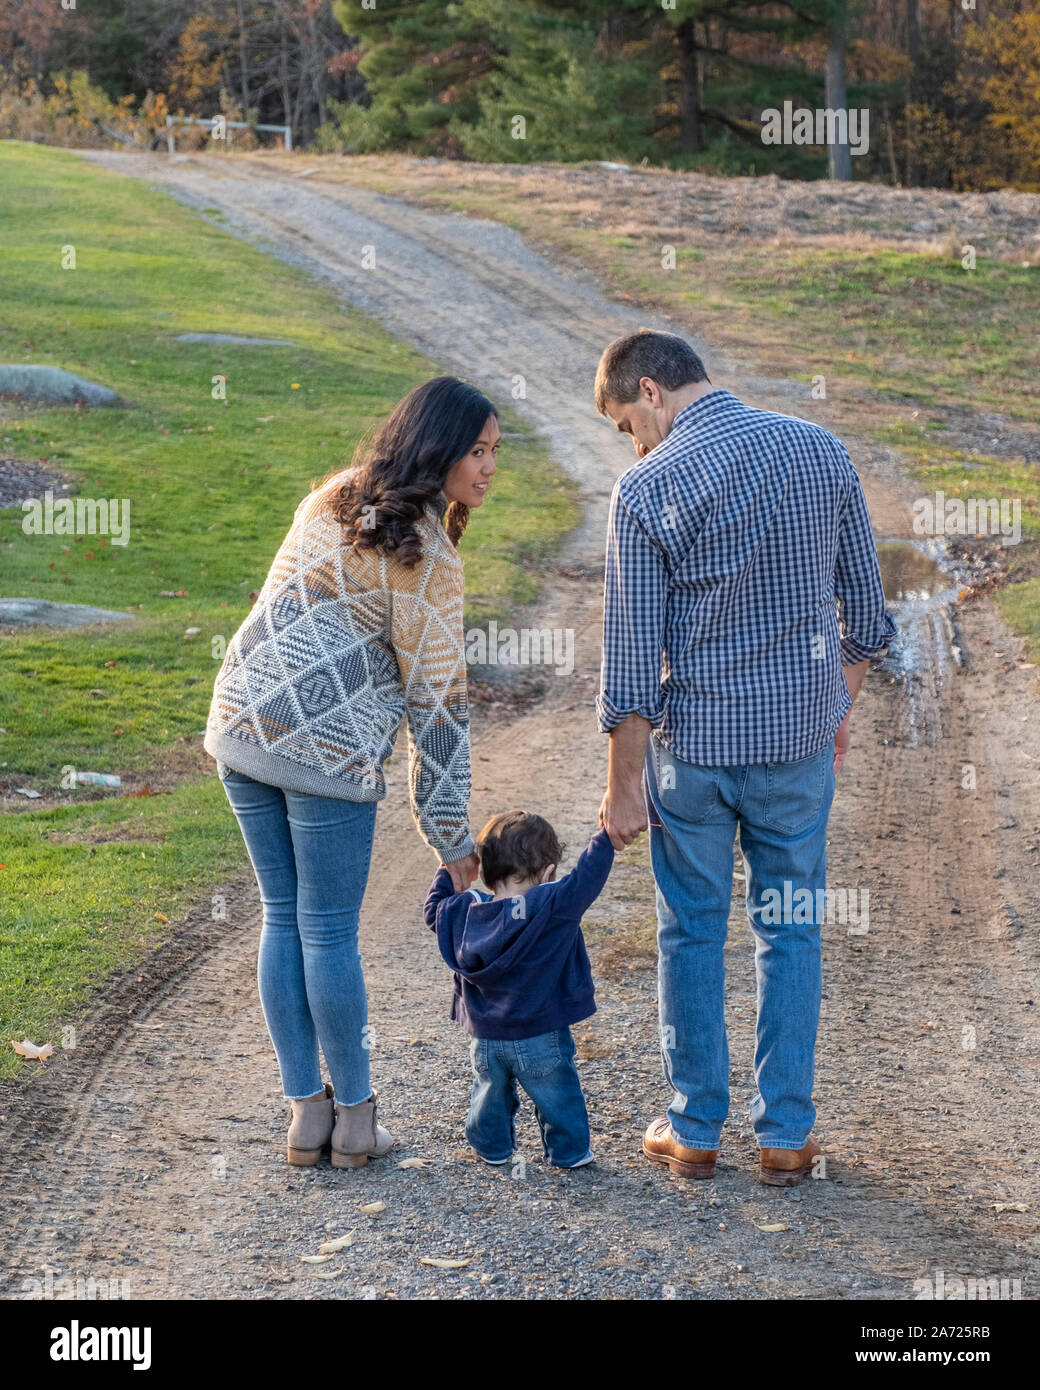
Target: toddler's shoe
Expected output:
[493,1162]
[590,1157]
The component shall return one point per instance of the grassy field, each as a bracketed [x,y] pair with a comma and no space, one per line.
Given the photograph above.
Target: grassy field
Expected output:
[212,485]
[912,324]
[914,347]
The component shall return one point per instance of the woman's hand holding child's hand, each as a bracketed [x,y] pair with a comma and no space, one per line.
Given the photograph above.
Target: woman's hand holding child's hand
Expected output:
[463,872]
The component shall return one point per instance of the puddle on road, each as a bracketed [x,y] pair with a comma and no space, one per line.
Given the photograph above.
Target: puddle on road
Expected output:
[920,590]
[909,573]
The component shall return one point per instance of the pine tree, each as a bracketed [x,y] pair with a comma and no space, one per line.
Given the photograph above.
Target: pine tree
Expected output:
[572,82]
[423,62]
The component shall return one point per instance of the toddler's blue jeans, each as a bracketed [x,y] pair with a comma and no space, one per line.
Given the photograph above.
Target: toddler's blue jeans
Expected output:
[544,1067]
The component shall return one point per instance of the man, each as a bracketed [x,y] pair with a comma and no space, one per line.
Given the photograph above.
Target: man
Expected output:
[742,603]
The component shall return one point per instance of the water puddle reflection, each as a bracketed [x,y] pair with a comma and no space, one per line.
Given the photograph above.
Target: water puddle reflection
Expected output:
[920,590]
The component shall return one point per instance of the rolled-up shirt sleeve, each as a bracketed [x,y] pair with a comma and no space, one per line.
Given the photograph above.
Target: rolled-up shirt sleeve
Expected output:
[635,592]
[865,625]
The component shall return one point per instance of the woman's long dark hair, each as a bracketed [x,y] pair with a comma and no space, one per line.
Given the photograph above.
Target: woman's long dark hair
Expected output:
[406,464]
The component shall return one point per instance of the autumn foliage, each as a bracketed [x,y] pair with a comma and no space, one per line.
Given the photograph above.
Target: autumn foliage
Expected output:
[952,91]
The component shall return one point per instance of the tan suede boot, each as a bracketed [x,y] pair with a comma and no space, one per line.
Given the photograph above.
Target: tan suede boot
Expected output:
[310,1129]
[358,1136]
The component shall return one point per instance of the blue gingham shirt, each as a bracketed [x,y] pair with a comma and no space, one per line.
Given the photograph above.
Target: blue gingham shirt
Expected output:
[741,576]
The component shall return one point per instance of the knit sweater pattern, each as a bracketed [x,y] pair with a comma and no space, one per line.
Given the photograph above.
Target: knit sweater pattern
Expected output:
[341,644]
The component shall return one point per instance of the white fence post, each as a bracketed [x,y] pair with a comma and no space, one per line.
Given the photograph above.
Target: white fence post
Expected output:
[174,122]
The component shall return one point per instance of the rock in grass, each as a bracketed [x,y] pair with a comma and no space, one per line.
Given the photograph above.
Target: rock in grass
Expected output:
[52,384]
[235,339]
[41,612]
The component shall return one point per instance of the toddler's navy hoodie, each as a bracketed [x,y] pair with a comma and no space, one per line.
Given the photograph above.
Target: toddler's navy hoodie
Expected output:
[520,964]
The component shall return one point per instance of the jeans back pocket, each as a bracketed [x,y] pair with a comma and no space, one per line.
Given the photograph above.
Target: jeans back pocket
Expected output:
[688,792]
[538,1056]
[795,792]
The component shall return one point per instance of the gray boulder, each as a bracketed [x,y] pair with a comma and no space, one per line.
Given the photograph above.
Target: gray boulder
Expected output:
[41,612]
[51,384]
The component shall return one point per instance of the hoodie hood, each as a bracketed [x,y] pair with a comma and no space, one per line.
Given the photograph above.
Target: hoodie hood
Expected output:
[484,940]
[520,964]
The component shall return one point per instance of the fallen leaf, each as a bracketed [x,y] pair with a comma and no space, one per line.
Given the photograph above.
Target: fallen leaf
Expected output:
[446,1264]
[327,1273]
[778,1227]
[373,1208]
[315,1259]
[416,1163]
[28,1049]
[331,1247]
[160,917]
[1010,1206]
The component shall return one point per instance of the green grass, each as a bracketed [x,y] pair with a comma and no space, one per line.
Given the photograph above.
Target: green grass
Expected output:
[909,326]
[955,473]
[212,485]
[1019,606]
[86,887]
[912,326]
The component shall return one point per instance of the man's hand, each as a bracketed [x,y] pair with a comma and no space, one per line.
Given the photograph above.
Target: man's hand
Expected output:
[841,742]
[463,872]
[623,817]
[623,811]
[854,676]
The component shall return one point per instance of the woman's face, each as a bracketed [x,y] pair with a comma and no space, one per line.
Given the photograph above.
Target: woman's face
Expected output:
[468,479]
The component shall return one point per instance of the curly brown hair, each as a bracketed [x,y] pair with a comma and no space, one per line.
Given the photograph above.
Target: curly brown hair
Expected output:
[404,468]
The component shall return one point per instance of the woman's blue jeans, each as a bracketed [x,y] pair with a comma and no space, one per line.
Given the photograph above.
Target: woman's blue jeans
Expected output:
[694,812]
[311,856]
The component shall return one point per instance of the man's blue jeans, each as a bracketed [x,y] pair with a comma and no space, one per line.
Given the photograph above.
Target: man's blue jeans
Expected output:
[781,809]
[311,856]
[544,1067]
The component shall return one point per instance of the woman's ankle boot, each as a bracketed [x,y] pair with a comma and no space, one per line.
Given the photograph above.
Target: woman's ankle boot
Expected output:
[358,1136]
[310,1129]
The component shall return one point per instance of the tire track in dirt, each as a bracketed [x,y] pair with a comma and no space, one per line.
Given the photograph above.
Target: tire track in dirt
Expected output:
[155,1151]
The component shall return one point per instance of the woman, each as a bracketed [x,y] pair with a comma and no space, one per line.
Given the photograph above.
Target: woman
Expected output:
[359,623]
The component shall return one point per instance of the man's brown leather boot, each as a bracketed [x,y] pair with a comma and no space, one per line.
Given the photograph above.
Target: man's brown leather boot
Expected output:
[787,1167]
[660,1146]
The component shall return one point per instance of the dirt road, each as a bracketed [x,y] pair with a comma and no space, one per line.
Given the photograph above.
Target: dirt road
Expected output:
[154,1153]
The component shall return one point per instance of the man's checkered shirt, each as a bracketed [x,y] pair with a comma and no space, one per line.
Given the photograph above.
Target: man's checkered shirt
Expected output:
[741,575]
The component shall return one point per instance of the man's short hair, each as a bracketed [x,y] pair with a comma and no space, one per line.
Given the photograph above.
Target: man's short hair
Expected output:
[665,358]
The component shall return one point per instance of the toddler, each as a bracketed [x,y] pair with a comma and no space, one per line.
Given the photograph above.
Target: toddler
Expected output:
[522,976]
